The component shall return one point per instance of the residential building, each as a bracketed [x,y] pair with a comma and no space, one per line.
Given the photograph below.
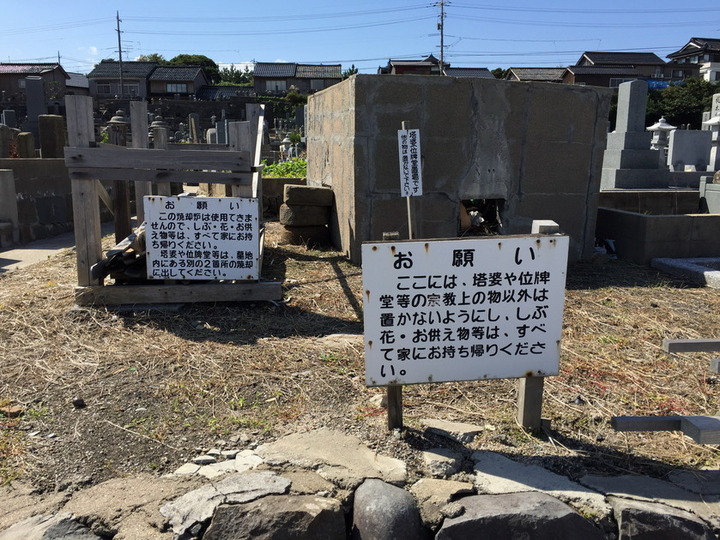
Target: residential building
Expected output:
[472,73]
[177,81]
[13,75]
[426,66]
[280,77]
[535,74]
[705,52]
[105,79]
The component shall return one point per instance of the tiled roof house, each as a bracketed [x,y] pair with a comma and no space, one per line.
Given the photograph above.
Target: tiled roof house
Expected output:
[105,79]
[704,52]
[12,80]
[177,80]
[280,77]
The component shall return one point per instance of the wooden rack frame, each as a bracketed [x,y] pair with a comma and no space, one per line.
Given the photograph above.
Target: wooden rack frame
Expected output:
[144,167]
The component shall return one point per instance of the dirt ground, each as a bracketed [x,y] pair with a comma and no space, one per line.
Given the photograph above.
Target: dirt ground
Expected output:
[89,394]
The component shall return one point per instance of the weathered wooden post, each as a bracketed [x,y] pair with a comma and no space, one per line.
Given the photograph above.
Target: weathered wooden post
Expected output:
[117,129]
[530,389]
[140,139]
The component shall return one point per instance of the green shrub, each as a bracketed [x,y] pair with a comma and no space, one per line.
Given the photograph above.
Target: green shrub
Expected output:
[293,168]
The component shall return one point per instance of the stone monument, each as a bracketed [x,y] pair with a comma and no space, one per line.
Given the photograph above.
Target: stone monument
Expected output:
[629,162]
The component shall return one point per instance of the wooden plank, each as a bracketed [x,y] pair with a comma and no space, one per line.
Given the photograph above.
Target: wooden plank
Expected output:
[702,429]
[394,407]
[139,128]
[146,158]
[86,209]
[176,293]
[646,423]
[144,175]
[530,398]
[690,345]
[86,219]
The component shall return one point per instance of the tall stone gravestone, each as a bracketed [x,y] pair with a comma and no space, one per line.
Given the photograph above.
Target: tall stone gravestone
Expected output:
[629,162]
[35,95]
[713,124]
[689,148]
[9,118]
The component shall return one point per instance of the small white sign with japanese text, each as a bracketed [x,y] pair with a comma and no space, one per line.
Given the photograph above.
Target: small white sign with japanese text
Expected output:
[410,162]
[468,309]
[202,238]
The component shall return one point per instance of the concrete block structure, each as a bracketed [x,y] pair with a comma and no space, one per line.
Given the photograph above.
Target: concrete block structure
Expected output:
[535,149]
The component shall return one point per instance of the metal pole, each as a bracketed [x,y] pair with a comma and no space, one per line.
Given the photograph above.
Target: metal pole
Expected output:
[122,82]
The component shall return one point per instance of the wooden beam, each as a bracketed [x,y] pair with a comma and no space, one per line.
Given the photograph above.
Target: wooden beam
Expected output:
[145,175]
[176,293]
[146,158]
[690,345]
[646,423]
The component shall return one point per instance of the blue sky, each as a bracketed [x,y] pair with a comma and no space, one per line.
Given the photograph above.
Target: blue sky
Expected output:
[478,33]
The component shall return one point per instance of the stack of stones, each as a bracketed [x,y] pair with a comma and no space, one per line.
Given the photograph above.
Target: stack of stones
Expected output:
[305,215]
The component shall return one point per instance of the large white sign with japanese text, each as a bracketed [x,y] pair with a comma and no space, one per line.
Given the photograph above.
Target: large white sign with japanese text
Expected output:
[202,238]
[450,310]
[410,162]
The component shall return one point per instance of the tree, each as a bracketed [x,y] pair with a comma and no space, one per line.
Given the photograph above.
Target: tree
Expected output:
[682,103]
[499,73]
[209,66]
[154,57]
[348,72]
[232,75]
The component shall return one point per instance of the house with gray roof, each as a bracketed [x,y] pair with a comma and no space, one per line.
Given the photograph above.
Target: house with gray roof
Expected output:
[628,66]
[535,74]
[177,81]
[278,78]
[705,53]
[105,79]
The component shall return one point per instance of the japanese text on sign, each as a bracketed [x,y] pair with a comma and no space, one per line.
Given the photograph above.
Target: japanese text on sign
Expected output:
[450,310]
[202,238]
[410,162]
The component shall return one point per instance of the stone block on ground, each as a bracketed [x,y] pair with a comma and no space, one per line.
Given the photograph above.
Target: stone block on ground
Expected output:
[457,431]
[317,235]
[342,459]
[518,515]
[281,517]
[307,196]
[188,513]
[385,512]
[441,462]
[304,215]
[434,495]
[47,527]
[639,520]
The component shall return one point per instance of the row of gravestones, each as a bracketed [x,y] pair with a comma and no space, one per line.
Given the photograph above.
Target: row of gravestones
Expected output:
[17,143]
[630,162]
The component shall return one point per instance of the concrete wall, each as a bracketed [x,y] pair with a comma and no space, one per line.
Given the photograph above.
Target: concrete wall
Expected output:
[43,197]
[642,237]
[646,201]
[536,146]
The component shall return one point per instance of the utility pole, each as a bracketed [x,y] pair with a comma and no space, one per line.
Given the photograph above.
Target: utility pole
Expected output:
[441,28]
[122,83]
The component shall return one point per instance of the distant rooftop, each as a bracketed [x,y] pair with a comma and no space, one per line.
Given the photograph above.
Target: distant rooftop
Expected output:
[175,73]
[31,69]
[537,74]
[111,69]
[618,58]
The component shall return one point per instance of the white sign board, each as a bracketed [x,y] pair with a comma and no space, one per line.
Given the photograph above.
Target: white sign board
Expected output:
[451,310]
[410,162]
[202,238]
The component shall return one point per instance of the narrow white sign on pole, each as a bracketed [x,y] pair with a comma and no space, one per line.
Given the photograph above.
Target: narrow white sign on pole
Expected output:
[469,309]
[202,238]
[410,162]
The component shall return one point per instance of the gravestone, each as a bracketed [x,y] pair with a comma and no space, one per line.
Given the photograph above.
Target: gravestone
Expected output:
[25,145]
[52,135]
[35,95]
[713,125]
[628,161]
[689,148]
[9,118]
[6,137]
[194,127]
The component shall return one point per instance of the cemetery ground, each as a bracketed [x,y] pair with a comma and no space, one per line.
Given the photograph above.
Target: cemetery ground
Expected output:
[88,394]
